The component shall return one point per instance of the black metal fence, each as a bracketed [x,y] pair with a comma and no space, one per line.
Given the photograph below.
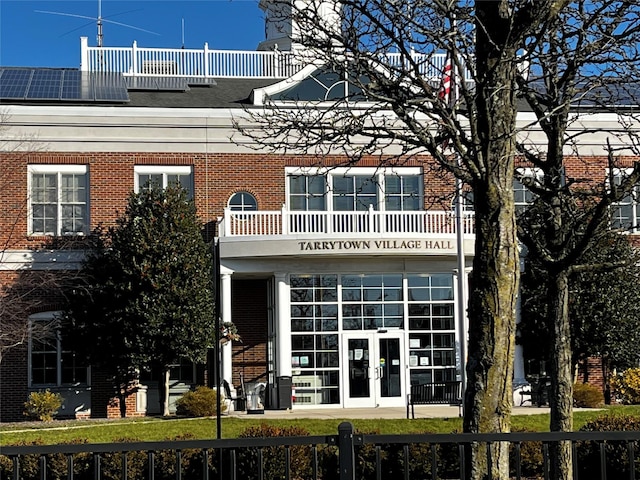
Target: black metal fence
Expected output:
[349,455]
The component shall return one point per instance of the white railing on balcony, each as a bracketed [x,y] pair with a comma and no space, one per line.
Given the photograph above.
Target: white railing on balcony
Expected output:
[179,62]
[369,222]
[206,63]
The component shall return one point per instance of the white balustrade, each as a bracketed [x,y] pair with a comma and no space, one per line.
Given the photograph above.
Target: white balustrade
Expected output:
[204,63]
[370,222]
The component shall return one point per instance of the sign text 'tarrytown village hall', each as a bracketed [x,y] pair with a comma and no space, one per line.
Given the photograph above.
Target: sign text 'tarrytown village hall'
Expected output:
[377,245]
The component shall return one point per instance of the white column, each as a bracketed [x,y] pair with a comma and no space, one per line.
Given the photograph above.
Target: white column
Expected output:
[225,287]
[283,327]
[84,54]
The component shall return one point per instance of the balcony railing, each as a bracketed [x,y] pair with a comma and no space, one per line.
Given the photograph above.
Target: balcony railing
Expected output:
[137,61]
[369,222]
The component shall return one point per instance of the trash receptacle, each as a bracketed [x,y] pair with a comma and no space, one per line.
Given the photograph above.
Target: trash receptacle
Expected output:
[284,393]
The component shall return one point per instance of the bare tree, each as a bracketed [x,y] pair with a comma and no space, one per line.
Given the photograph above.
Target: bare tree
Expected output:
[18,295]
[383,52]
[581,64]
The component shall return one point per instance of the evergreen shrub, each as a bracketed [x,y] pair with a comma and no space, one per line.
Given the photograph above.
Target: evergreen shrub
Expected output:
[587,396]
[202,402]
[617,453]
[42,405]
[626,386]
[274,458]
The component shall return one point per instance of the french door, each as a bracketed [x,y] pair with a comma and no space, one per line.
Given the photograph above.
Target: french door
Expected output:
[374,370]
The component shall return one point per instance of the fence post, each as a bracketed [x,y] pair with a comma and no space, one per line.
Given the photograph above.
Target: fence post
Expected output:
[346,456]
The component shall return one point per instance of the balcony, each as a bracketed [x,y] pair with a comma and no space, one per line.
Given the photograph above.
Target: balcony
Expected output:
[205,63]
[323,224]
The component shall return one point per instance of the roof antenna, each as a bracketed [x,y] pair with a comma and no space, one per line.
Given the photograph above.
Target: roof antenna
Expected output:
[99,21]
[183,33]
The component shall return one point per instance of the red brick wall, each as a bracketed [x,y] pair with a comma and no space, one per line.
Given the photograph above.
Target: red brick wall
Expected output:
[590,371]
[14,384]
[22,293]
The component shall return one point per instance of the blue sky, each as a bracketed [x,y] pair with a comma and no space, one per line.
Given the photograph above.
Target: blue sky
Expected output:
[33,39]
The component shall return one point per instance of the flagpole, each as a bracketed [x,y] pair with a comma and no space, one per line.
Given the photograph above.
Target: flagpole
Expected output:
[460,254]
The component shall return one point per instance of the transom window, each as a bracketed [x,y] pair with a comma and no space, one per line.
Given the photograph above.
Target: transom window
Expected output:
[51,363]
[355,189]
[371,302]
[243,202]
[161,176]
[625,214]
[58,200]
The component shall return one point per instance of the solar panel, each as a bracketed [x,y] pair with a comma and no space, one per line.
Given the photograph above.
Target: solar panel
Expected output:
[109,87]
[71,85]
[201,81]
[14,82]
[76,86]
[45,84]
[157,83]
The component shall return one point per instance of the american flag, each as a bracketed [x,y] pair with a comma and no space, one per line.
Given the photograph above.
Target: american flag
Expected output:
[447,94]
[446,87]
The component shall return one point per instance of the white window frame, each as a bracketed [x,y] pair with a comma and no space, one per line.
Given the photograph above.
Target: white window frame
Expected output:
[380,173]
[51,317]
[528,173]
[59,170]
[165,171]
[634,196]
[244,207]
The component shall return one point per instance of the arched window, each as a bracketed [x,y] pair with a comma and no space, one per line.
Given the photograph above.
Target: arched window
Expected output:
[243,202]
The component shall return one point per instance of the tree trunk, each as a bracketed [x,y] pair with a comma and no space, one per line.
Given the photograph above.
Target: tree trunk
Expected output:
[561,397]
[492,299]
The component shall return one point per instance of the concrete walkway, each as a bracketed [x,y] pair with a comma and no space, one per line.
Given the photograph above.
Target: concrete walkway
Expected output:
[421,411]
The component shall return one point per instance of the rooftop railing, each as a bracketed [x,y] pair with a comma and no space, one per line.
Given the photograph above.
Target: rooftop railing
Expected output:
[368,222]
[137,61]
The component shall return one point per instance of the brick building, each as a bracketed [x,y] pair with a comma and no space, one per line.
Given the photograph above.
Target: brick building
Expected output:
[343,279]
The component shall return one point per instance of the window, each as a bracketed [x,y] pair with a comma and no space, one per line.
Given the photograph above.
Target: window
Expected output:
[432,335]
[351,193]
[148,177]
[370,302]
[307,192]
[51,364]
[402,192]
[356,189]
[625,214]
[58,199]
[522,195]
[243,202]
[314,339]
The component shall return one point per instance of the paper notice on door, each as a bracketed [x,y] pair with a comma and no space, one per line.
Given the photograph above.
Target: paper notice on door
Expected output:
[358,354]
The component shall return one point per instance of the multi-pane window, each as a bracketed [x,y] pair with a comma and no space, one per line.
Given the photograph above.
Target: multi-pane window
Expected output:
[307,192]
[314,339]
[370,302]
[352,193]
[243,202]
[625,214]
[160,176]
[356,189]
[51,362]
[58,199]
[432,337]
[522,196]
[402,192]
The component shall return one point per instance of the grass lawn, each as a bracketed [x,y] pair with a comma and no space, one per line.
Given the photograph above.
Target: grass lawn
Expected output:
[156,429]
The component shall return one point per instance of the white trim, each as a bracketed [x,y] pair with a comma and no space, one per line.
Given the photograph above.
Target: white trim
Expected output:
[50,316]
[163,170]
[378,172]
[81,169]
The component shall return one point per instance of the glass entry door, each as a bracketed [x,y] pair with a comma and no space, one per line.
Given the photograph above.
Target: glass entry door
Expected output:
[374,371]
